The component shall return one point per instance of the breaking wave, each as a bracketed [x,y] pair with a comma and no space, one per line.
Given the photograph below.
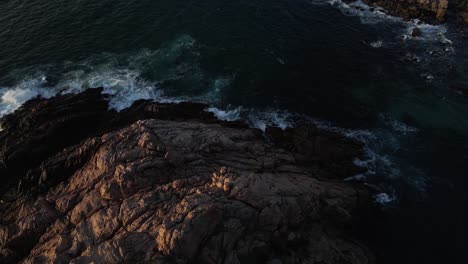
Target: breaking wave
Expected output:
[384,168]
[159,75]
[260,119]
[12,99]
[123,87]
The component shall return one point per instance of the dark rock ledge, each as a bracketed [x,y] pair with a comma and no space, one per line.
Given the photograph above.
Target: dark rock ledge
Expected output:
[169,183]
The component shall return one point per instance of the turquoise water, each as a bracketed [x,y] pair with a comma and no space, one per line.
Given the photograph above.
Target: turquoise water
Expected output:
[278,62]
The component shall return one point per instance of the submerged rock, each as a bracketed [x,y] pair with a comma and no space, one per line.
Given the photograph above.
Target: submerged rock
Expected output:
[171,184]
[416,32]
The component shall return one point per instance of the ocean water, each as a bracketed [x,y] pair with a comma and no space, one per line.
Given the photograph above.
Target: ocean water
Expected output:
[342,67]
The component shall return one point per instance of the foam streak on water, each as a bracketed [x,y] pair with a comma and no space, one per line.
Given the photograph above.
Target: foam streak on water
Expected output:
[260,119]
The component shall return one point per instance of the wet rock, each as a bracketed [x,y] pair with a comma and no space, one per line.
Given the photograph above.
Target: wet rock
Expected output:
[416,32]
[432,11]
[42,128]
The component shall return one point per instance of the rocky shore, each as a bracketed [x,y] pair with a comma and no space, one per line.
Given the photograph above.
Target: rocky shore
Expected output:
[169,183]
[430,11]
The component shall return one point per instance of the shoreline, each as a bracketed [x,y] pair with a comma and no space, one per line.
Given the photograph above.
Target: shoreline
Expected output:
[77,169]
[405,102]
[433,12]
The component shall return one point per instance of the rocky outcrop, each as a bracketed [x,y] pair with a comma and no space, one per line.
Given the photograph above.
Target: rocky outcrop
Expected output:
[171,184]
[431,11]
[42,128]
[426,10]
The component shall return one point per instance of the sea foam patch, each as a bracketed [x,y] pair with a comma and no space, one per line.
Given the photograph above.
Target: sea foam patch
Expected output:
[384,198]
[122,86]
[12,98]
[382,167]
[256,118]
[124,78]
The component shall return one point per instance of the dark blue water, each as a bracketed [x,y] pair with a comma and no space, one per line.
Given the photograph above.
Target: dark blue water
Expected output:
[276,62]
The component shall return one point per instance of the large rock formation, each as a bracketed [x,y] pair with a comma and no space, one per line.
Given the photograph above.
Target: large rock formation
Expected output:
[426,10]
[177,186]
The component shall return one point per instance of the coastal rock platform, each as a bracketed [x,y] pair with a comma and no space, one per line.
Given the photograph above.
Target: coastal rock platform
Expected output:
[169,183]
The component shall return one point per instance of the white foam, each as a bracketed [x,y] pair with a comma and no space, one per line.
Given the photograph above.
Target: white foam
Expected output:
[260,119]
[376,44]
[401,127]
[123,86]
[384,198]
[375,15]
[366,14]
[12,98]
[381,165]
[226,115]
[427,77]
[120,77]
